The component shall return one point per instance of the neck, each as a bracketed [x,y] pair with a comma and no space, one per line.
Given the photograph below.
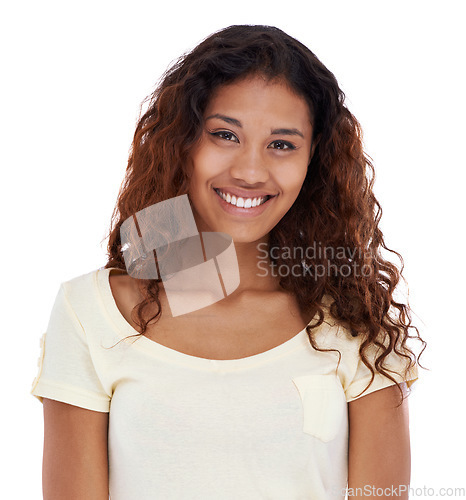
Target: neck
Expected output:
[254,266]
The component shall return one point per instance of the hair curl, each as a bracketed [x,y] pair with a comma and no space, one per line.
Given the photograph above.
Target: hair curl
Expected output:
[335,207]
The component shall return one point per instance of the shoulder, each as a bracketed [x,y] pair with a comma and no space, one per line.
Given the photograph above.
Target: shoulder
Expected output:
[338,335]
[96,277]
[83,280]
[85,291]
[333,333]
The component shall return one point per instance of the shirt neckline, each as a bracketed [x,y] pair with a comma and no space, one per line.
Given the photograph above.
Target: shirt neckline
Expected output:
[298,341]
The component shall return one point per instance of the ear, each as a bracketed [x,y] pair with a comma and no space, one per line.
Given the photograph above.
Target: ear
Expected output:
[314,143]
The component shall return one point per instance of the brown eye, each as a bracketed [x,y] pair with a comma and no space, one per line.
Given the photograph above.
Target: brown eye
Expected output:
[282,145]
[227,136]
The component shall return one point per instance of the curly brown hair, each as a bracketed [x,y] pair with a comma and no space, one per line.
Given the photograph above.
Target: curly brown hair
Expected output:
[336,206]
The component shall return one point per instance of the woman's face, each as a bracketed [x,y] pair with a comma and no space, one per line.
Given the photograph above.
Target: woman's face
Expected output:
[251,161]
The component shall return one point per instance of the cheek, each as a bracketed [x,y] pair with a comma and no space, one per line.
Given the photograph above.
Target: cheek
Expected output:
[291,184]
[206,164]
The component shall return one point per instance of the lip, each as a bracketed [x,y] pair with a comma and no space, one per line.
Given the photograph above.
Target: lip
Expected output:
[243,212]
[244,193]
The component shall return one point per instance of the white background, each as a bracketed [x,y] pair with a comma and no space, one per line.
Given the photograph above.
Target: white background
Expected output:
[74,75]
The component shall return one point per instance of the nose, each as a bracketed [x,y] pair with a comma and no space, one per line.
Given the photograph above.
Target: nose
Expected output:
[250,166]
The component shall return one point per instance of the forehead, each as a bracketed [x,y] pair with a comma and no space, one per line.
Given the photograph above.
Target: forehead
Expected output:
[256,97]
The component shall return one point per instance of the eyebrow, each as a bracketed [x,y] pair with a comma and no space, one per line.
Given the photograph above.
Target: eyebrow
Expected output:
[287,131]
[228,119]
[237,123]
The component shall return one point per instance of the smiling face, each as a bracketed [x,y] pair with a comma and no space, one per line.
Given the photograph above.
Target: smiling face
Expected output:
[251,161]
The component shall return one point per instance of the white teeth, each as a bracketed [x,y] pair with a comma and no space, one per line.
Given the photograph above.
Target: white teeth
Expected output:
[241,202]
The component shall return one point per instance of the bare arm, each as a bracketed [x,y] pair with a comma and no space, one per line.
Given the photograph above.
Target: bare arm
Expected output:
[379,447]
[75,462]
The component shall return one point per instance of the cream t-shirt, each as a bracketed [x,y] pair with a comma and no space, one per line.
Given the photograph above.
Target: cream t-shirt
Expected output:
[269,426]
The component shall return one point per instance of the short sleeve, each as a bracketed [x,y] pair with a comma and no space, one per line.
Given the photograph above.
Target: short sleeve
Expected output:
[66,369]
[394,362]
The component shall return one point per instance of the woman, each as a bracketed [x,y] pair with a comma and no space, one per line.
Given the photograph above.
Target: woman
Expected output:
[226,400]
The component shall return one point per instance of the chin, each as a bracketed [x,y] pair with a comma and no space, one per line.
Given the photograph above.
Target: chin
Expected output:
[245,239]
[245,231]
[246,236]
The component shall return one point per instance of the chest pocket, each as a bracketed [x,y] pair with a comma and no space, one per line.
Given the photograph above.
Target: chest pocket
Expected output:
[324,405]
